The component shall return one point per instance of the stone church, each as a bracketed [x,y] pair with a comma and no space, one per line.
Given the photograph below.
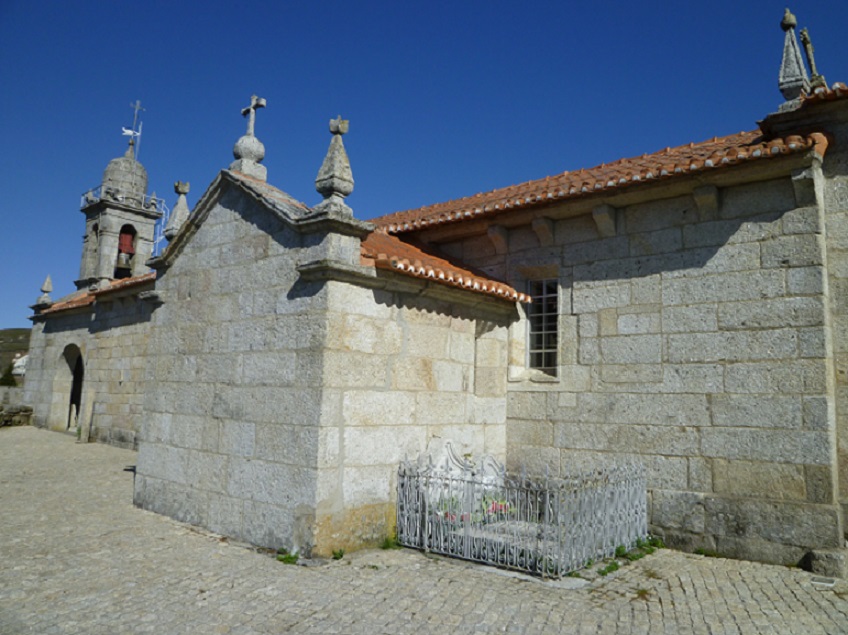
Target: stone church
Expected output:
[276,361]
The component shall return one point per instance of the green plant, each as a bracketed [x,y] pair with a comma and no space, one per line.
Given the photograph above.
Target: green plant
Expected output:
[642,594]
[612,566]
[390,542]
[656,542]
[620,551]
[652,574]
[708,553]
[338,554]
[285,557]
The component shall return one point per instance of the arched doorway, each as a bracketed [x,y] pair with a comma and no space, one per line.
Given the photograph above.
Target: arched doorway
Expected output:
[76,368]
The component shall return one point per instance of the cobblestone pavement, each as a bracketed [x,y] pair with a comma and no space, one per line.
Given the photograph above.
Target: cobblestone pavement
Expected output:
[77,557]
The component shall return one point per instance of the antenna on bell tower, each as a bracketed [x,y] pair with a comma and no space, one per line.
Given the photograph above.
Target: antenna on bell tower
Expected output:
[135,132]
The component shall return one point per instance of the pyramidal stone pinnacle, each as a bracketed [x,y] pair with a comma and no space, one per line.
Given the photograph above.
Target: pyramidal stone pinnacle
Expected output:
[335,179]
[180,213]
[792,80]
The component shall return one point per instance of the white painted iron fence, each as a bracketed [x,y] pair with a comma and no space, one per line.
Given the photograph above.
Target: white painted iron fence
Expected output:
[544,526]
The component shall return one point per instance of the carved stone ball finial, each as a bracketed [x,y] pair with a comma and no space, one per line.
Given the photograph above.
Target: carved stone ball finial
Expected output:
[248,150]
[789,21]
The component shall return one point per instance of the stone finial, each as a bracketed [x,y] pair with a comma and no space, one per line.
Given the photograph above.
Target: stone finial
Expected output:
[792,79]
[816,80]
[180,213]
[335,179]
[46,288]
[248,150]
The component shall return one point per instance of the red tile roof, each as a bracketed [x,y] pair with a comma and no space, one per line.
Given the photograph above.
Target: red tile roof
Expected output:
[84,297]
[837,91]
[713,154]
[388,252]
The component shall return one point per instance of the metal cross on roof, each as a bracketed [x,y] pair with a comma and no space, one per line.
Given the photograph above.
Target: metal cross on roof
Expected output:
[255,103]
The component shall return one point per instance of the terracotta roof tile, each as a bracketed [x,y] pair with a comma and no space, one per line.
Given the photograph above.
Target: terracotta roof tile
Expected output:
[837,91]
[388,252]
[84,297]
[715,153]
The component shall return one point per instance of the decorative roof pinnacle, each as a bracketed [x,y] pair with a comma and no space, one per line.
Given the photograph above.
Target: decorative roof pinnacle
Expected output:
[792,79]
[816,80]
[44,299]
[249,151]
[180,213]
[335,178]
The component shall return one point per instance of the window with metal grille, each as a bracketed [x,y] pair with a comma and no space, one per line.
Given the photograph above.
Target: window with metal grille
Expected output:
[543,325]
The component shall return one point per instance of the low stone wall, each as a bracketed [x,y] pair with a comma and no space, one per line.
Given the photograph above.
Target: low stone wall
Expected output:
[12,412]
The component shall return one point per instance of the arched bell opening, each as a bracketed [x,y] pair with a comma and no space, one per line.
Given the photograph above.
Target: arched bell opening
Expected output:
[126,252]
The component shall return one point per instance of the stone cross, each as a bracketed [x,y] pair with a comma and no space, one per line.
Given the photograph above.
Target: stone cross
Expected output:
[255,104]
[816,80]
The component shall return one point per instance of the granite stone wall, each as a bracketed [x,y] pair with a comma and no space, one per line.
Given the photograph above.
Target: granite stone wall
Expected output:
[695,332]
[234,375]
[399,371]
[112,338]
[278,407]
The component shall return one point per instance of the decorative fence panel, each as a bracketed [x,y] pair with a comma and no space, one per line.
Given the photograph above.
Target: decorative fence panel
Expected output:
[545,526]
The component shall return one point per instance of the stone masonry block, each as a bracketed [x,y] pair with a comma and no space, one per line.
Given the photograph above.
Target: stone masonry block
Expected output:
[441,408]
[678,510]
[787,376]
[632,349]
[726,287]
[756,479]
[383,445]
[756,411]
[657,242]
[526,405]
[786,522]
[639,323]
[776,446]
[819,480]
[628,439]
[773,313]
[816,413]
[803,250]
[752,199]
[646,290]
[690,319]
[649,409]
[290,444]
[731,346]
[368,408]
[700,474]
[238,438]
[591,297]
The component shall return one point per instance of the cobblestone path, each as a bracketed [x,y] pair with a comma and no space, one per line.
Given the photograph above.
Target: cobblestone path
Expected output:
[77,557]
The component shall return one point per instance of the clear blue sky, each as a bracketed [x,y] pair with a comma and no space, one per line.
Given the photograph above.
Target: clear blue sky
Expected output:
[445,99]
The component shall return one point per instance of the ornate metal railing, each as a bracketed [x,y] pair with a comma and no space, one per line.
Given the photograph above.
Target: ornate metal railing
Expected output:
[149,203]
[544,526]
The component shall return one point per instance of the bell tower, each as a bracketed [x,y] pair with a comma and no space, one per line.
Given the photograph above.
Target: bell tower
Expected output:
[120,219]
